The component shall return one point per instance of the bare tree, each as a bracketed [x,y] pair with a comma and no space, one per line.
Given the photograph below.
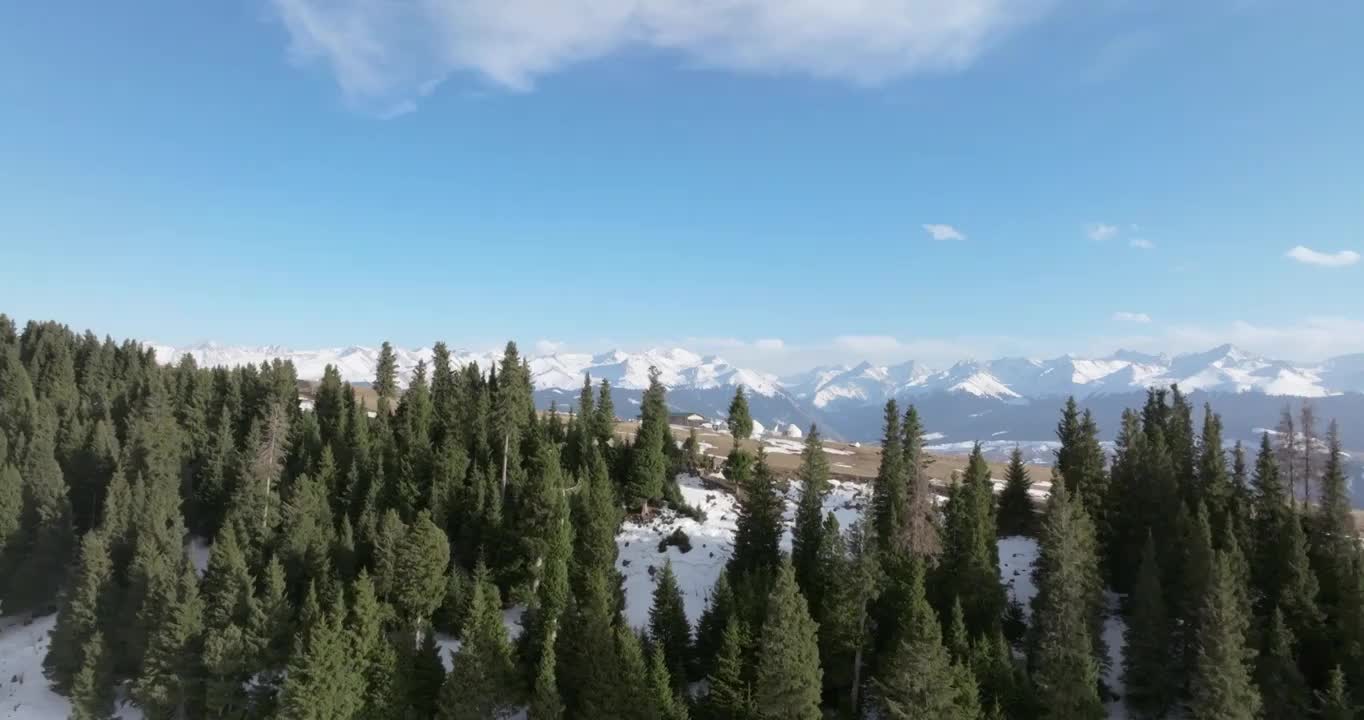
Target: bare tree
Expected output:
[269,457]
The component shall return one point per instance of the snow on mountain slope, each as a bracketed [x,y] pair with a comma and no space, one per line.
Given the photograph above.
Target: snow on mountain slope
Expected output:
[1221,369]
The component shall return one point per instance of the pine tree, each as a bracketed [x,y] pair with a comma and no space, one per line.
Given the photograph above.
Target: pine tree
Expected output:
[42,547]
[545,703]
[1066,576]
[322,681]
[596,516]
[1147,671]
[420,679]
[668,626]
[419,571]
[671,704]
[633,697]
[87,607]
[758,528]
[649,466]
[1016,513]
[371,648]
[918,525]
[1194,573]
[788,678]
[1214,482]
[918,680]
[386,376]
[1333,544]
[587,669]
[1221,686]
[844,627]
[605,417]
[1282,688]
[888,488]
[710,629]
[739,421]
[807,535]
[92,689]
[969,569]
[167,684]
[730,697]
[479,685]
[11,508]
[1335,704]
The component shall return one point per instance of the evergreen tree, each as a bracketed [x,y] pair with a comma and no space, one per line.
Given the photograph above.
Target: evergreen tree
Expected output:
[386,376]
[85,610]
[730,697]
[1064,609]
[1335,704]
[419,571]
[649,465]
[11,508]
[605,417]
[545,703]
[633,697]
[668,626]
[1221,683]
[1148,670]
[844,629]
[420,679]
[671,704]
[323,680]
[371,648]
[587,669]
[92,689]
[1214,482]
[788,678]
[479,685]
[1282,688]
[710,629]
[969,569]
[918,515]
[888,488]
[739,421]
[41,549]
[919,680]
[758,529]
[1016,513]
[166,687]
[807,536]
[596,516]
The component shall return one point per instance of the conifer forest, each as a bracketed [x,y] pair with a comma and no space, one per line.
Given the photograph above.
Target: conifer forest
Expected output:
[362,558]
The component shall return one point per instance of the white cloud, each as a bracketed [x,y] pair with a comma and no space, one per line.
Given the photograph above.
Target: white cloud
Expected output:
[1101,231]
[385,53]
[1141,243]
[938,231]
[1308,256]
[769,344]
[1132,317]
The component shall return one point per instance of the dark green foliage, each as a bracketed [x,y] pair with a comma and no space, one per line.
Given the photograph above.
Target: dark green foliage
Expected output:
[649,465]
[969,567]
[166,686]
[596,517]
[919,679]
[40,550]
[807,537]
[323,680]
[87,606]
[888,488]
[668,626]
[545,703]
[586,652]
[710,629]
[419,571]
[604,420]
[1282,688]
[730,697]
[758,528]
[386,375]
[634,699]
[1148,659]
[420,679]
[1221,686]
[92,690]
[788,679]
[1017,515]
[917,525]
[479,686]
[670,701]
[1335,703]
[11,507]
[739,421]
[1064,612]
[854,574]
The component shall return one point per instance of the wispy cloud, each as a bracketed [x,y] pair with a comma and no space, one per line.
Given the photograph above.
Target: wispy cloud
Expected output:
[1308,256]
[938,231]
[385,53]
[1101,231]
[1141,243]
[1132,317]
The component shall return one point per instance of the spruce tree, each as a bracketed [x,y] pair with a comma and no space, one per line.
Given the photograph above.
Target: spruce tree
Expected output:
[758,528]
[419,571]
[710,629]
[1016,513]
[730,697]
[649,465]
[545,703]
[92,688]
[1283,690]
[739,421]
[788,679]
[1214,481]
[1221,685]
[1067,580]
[596,516]
[1335,703]
[888,488]
[969,569]
[11,508]
[670,703]
[479,686]
[918,525]
[167,685]
[918,679]
[605,416]
[807,534]
[86,608]
[323,680]
[634,699]
[587,670]
[1148,670]
[371,648]
[42,547]
[386,376]
[668,626]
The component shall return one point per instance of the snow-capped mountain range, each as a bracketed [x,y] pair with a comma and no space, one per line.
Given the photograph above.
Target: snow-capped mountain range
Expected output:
[1221,369]
[1005,398]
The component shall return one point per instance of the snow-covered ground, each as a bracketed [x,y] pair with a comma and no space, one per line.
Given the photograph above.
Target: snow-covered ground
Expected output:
[24,690]
[1016,557]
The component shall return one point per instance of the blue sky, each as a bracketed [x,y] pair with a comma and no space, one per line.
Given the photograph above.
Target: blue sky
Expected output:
[783,183]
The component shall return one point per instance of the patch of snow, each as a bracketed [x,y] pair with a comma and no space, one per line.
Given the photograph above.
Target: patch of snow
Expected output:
[24,690]
[198,552]
[1017,554]
[835,451]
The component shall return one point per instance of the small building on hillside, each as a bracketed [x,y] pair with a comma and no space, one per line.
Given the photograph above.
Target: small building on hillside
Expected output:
[687,419]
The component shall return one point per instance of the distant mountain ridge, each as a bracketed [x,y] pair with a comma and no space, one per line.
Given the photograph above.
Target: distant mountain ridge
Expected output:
[845,399]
